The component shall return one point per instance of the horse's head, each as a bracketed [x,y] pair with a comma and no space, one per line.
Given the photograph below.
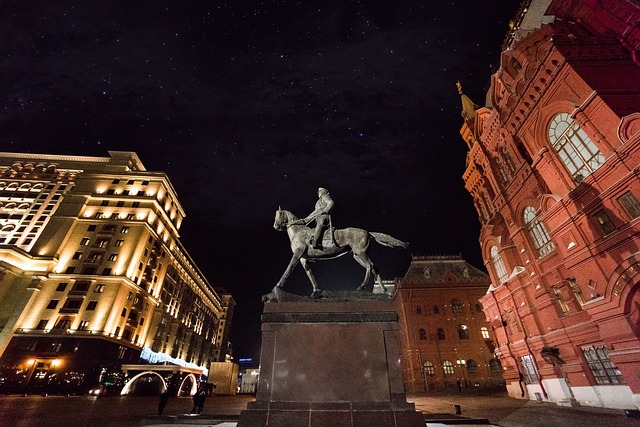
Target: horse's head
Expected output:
[280,223]
[284,219]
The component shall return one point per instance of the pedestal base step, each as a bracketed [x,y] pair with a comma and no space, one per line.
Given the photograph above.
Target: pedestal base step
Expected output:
[330,414]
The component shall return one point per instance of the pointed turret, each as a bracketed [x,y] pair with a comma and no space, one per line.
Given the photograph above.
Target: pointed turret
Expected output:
[469,129]
[468,107]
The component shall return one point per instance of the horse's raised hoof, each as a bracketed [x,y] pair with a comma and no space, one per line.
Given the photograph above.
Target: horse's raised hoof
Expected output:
[316,294]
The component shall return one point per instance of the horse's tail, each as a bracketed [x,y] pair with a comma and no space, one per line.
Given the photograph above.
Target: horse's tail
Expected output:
[386,240]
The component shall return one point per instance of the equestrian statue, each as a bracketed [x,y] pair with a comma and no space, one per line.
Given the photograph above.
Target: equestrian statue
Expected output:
[323,242]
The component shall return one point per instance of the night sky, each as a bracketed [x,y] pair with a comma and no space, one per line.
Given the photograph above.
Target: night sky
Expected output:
[249,105]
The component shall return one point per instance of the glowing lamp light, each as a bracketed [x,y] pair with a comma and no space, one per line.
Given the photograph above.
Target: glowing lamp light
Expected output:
[56,362]
[30,362]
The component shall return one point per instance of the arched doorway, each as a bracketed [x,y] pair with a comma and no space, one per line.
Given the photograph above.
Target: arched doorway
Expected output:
[145,383]
[188,386]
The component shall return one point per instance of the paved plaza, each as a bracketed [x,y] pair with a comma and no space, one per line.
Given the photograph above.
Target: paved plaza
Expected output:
[222,411]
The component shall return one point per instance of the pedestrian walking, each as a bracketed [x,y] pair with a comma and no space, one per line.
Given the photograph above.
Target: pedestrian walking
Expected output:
[195,403]
[459,384]
[198,400]
[164,398]
[202,395]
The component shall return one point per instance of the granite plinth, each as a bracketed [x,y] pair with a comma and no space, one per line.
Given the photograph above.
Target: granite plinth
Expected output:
[331,361]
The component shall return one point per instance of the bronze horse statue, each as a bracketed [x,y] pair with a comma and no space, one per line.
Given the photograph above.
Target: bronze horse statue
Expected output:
[336,244]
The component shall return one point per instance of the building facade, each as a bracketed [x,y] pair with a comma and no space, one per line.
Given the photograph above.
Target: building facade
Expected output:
[445,340]
[223,350]
[553,171]
[93,274]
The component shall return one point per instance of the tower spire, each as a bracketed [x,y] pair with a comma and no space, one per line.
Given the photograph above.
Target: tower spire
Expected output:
[468,106]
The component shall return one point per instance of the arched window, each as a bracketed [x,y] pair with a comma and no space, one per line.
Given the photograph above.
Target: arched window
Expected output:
[472,367]
[537,232]
[496,366]
[423,334]
[447,367]
[456,306]
[428,368]
[579,154]
[498,265]
[463,332]
[441,334]
[436,309]
[485,333]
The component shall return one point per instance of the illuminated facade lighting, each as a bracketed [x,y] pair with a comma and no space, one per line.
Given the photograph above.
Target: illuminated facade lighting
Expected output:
[70,261]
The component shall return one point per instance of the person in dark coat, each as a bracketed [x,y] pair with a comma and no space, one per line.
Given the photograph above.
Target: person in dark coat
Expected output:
[164,398]
[198,400]
[202,395]
[195,403]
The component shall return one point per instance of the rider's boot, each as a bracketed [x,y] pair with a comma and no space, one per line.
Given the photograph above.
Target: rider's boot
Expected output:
[317,239]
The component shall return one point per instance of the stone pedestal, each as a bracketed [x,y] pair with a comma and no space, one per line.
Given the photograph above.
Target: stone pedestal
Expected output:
[333,362]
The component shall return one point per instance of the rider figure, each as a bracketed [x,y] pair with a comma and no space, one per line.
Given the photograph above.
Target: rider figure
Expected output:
[321,216]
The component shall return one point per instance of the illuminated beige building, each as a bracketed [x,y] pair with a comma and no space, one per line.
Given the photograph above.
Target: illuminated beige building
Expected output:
[93,275]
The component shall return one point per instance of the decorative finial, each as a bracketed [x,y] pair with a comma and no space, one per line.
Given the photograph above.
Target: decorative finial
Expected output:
[459,86]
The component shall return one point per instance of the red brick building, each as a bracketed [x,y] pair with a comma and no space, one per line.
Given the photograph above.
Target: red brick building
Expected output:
[553,166]
[443,332]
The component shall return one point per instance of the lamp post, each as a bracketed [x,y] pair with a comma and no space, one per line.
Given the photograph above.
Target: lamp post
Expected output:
[462,364]
[425,376]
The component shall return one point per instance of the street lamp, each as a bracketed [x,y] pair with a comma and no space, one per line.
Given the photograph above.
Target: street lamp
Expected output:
[425,373]
[462,364]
